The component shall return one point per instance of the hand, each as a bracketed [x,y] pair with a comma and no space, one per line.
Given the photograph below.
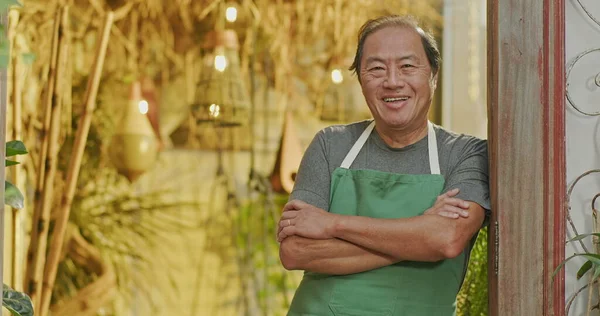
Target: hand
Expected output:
[302,219]
[447,205]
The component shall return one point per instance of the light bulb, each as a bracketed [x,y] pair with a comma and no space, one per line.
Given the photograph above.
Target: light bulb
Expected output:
[214,110]
[220,63]
[231,14]
[143,106]
[336,76]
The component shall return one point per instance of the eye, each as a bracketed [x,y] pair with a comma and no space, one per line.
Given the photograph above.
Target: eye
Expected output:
[406,66]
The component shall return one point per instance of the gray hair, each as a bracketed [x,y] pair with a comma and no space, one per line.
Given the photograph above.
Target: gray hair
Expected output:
[429,44]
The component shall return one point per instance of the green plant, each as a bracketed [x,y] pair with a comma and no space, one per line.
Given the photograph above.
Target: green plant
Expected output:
[592,264]
[472,300]
[19,304]
[12,195]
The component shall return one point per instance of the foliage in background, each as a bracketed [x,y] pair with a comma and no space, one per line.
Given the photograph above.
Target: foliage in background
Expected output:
[131,228]
[272,285]
[472,299]
[131,231]
[19,304]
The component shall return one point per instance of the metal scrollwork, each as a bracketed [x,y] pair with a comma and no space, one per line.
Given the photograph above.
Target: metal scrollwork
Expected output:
[588,12]
[596,81]
[569,192]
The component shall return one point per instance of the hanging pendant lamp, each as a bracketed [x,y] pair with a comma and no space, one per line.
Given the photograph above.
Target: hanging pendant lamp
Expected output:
[221,97]
[134,147]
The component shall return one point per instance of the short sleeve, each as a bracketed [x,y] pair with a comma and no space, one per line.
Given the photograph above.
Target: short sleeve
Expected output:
[470,174]
[313,177]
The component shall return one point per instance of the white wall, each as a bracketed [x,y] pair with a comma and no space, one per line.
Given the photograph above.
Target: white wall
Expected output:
[464,108]
[583,143]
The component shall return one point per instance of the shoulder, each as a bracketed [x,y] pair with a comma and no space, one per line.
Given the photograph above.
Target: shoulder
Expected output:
[340,135]
[459,143]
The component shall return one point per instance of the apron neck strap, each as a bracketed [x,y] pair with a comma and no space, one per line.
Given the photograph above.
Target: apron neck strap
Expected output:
[357,146]
[434,163]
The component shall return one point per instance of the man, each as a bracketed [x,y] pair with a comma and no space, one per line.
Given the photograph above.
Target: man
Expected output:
[384,212]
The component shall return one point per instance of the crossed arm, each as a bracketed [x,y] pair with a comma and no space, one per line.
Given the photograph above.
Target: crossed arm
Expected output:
[329,256]
[318,241]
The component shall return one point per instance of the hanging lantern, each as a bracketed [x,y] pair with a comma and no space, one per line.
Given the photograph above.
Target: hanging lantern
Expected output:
[221,97]
[334,103]
[134,147]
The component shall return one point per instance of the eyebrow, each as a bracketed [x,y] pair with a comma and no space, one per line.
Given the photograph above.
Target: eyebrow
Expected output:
[379,59]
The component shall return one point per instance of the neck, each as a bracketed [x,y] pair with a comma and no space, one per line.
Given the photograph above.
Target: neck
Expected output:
[402,137]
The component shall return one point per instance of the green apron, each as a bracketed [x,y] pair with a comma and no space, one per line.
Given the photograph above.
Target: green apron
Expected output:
[405,288]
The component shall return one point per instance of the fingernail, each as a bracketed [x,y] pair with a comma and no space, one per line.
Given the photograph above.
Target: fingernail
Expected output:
[465,213]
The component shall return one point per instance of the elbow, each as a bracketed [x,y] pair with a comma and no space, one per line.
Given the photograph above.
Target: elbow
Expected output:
[289,252]
[453,245]
[452,250]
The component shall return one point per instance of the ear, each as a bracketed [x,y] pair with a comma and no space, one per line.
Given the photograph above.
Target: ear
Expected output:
[434,80]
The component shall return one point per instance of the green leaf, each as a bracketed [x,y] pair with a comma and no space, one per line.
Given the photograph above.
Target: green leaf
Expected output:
[561,265]
[10,163]
[12,196]
[19,304]
[596,273]
[584,269]
[594,258]
[582,236]
[15,147]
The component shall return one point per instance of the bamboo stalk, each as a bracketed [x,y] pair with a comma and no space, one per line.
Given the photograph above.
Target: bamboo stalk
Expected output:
[47,199]
[74,167]
[17,215]
[36,248]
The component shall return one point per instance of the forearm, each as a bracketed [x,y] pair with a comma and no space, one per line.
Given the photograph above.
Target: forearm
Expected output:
[420,238]
[329,256]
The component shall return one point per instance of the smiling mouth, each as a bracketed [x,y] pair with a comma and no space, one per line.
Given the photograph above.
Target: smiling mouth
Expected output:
[395,99]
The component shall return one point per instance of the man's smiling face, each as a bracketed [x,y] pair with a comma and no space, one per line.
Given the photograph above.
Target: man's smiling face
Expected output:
[396,77]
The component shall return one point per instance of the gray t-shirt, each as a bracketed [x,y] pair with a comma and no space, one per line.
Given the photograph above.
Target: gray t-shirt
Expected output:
[463,162]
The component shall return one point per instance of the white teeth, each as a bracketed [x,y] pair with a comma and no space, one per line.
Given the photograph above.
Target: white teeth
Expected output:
[395,99]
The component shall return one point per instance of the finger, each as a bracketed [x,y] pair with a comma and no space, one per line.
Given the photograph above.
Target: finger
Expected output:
[289,206]
[454,209]
[289,214]
[451,193]
[286,232]
[281,225]
[285,223]
[457,202]
[293,205]
[448,214]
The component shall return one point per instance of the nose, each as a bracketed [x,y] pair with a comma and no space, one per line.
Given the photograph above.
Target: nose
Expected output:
[393,79]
